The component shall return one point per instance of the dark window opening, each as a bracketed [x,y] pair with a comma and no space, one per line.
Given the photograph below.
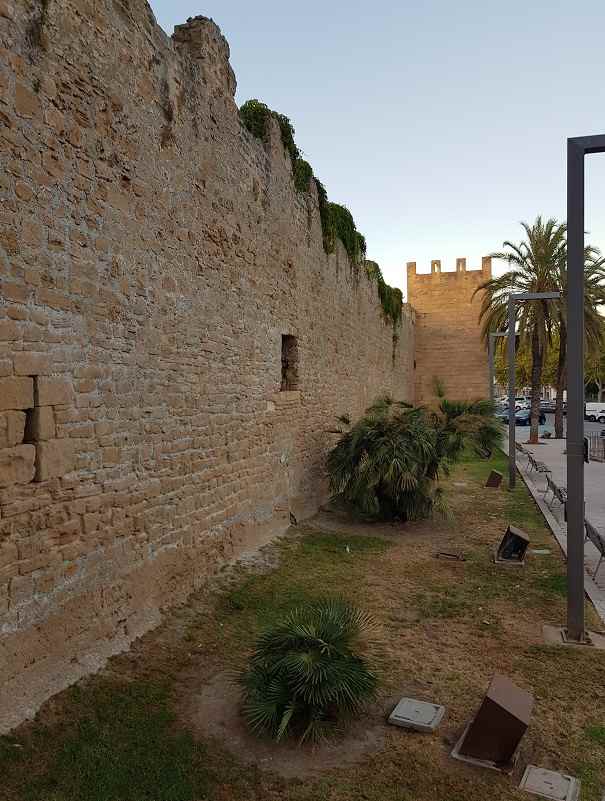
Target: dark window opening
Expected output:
[29,432]
[289,363]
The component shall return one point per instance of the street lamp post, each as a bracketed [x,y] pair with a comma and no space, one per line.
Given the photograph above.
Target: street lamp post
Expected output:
[577,148]
[490,358]
[513,299]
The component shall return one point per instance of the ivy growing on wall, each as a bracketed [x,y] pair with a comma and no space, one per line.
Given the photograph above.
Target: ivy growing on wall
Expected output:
[391,298]
[336,220]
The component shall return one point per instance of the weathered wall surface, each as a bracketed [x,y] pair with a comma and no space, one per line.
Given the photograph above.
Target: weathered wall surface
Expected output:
[152,254]
[448,341]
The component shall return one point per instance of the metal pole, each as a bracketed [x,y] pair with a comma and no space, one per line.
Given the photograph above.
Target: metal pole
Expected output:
[490,357]
[575,393]
[512,464]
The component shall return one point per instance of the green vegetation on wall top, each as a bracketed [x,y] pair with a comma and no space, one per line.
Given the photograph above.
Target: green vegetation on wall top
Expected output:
[336,220]
[391,297]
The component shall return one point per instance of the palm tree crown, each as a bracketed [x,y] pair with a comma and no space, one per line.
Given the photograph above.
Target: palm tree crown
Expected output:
[536,266]
[539,264]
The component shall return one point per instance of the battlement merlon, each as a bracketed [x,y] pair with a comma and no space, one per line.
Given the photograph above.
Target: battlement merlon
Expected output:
[203,40]
[486,268]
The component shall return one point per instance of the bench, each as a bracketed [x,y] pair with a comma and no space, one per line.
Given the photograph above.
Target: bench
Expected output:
[539,467]
[597,539]
[558,493]
[521,450]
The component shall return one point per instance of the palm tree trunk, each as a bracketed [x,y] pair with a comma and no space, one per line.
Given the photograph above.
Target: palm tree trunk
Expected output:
[537,356]
[561,380]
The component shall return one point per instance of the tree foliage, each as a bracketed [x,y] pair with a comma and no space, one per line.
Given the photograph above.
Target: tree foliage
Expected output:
[304,675]
[535,265]
[388,464]
[539,264]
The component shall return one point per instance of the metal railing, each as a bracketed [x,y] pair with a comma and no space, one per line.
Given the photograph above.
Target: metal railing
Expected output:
[596,446]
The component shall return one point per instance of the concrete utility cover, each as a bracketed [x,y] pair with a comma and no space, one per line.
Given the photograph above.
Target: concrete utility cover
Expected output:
[419,715]
[549,784]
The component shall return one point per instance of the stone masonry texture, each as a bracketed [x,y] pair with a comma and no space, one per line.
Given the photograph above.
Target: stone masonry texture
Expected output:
[152,255]
[448,344]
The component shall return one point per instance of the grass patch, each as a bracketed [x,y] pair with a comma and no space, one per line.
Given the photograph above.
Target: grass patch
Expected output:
[122,747]
[596,734]
[308,569]
[553,584]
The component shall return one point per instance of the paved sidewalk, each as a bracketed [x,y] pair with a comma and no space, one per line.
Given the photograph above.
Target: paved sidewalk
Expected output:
[551,453]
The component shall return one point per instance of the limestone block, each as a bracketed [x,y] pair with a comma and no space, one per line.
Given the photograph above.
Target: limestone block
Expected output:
[53,391]
[12,427]
[16,393]
[54,458]
[7,9]
[27,103]
[42,424]
[17,465]
[9,330]
[31,363]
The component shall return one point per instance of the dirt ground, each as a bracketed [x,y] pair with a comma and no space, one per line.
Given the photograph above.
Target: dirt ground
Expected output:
[162,722]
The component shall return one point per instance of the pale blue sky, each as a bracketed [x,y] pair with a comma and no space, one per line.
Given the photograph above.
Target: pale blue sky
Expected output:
[440,124]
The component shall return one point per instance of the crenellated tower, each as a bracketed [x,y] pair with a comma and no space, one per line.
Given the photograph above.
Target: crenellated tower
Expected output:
[448,340]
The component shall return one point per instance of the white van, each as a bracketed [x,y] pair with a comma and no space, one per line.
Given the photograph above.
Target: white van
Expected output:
[594,412]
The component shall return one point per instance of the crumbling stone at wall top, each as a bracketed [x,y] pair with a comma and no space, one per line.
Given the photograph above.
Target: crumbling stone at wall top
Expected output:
[205,43]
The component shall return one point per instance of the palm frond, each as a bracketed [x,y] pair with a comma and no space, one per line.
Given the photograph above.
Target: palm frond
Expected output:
[304,674]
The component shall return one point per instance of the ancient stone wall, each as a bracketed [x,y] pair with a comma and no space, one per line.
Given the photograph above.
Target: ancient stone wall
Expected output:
[448,341]
[152,255]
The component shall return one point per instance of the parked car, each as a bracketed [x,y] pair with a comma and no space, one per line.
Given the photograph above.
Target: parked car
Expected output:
[520,403]
[523,417]
[547,406]
[594,412]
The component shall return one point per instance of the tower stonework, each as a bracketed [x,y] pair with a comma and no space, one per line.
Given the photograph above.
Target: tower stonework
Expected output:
[447,337]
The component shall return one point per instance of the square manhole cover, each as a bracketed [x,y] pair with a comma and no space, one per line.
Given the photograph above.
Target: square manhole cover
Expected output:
[419,715]
[549,784]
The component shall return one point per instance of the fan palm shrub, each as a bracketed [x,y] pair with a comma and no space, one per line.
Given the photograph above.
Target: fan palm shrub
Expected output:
[469,424]
[304,675]
[387,465]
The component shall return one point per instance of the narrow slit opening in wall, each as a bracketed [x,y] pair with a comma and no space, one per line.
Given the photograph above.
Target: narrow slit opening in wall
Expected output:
[29,437]
[289,363]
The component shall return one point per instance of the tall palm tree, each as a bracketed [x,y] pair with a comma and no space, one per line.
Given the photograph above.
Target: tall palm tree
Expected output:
[594,297]
[536,265]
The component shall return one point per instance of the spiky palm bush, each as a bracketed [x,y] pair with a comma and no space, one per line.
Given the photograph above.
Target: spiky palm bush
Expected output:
[304,676]
[387,466]
[468,423]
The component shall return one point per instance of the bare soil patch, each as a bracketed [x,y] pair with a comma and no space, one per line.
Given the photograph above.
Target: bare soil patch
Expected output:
[214,711]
